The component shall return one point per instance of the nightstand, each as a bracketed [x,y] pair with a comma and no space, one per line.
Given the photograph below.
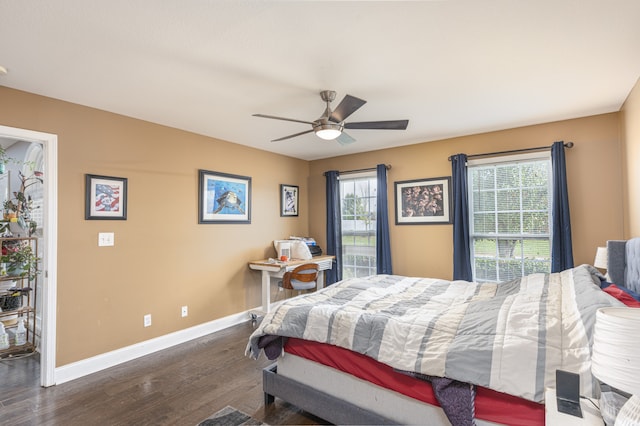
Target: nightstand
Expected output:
[590,412]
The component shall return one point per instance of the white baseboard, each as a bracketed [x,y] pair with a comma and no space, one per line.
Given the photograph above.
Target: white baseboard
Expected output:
[106,360]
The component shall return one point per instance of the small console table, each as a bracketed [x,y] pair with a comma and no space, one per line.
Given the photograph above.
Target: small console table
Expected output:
[276,269]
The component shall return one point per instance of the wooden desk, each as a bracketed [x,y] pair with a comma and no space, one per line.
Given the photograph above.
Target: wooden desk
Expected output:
[277,270]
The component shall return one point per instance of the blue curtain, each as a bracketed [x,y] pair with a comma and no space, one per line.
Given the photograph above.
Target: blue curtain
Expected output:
[334,227]
[461,247]
[383,244]
[561,247]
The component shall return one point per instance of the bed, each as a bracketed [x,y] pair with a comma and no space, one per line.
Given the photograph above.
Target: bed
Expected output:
[461,352]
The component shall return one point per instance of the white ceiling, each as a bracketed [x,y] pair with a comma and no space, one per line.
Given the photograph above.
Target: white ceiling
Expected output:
[452,68]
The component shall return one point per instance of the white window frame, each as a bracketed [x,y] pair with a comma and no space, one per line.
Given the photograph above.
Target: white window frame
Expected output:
[509,159]
[357,268]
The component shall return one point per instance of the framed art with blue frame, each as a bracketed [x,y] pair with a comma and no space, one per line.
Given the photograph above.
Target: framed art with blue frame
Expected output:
[223,198]
[289,204]
[105,198]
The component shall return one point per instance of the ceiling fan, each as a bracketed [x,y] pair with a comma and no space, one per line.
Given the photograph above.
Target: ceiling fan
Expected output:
[331,124]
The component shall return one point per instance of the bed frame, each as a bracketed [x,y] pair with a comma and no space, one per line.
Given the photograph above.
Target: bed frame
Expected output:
[318,403]
[341,398]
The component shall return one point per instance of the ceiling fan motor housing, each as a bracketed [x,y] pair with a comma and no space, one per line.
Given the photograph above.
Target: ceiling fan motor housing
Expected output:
[328,95]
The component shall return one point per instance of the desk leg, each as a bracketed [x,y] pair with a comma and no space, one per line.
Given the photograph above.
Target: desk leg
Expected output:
[266,291]
[320,282]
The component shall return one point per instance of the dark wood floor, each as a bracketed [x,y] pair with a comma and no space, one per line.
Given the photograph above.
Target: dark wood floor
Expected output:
[182,385]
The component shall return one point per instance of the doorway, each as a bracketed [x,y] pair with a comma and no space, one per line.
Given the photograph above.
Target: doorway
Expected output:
[48,277]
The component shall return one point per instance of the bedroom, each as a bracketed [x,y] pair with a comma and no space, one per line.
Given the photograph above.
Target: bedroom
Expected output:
[206,266]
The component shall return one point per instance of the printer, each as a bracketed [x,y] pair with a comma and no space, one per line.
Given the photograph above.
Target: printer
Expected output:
[303,248]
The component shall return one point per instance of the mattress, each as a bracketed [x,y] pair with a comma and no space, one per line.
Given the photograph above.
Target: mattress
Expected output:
[490,405]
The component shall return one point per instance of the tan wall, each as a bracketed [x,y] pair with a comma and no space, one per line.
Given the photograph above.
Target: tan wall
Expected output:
[593,172]
[630,135]
[162,258]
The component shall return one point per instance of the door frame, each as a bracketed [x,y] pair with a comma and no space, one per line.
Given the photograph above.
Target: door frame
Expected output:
[50,236]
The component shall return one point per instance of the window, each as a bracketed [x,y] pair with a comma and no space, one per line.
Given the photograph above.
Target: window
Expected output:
[510,216]
[34,162]
[358,203]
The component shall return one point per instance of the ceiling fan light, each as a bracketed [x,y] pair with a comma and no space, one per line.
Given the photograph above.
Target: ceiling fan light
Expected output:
[328,134]
[328,131]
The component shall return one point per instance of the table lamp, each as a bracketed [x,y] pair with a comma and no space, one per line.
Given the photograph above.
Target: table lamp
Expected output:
[600,261]
[615,362]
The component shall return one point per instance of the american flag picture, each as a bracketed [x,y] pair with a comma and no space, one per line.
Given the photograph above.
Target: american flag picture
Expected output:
[106,197]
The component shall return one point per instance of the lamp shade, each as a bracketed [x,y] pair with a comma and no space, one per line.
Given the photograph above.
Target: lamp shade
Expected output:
[616,348]
[601,258]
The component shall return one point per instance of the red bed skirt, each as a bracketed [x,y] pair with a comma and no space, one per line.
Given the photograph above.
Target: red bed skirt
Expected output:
[489,405]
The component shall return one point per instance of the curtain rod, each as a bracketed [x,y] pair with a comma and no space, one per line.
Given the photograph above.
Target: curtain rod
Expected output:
[513,151]
[388,166]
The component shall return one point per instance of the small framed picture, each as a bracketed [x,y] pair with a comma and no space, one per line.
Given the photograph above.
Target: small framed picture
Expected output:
[289,200]
[223,198]
[105,198]
[423,201]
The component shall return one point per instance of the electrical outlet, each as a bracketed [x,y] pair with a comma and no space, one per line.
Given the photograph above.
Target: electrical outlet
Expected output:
[185,311]
[147,320]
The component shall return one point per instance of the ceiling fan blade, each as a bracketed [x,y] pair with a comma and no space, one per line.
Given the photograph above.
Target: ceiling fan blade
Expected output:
[345,139]
[292,136]
[282,118]
[379,125]
[347,106]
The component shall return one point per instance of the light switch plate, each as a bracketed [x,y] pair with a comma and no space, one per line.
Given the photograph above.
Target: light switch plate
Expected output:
[105,239]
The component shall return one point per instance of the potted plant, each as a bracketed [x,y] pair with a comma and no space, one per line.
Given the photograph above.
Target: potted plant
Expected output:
[19,260]
[20,208]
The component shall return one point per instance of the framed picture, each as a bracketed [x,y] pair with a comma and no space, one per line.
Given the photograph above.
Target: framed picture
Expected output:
[289,200]
[224,198]
[105,197]
[423,201]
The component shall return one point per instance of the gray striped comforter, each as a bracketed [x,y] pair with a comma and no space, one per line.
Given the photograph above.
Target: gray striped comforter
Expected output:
[510,337]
